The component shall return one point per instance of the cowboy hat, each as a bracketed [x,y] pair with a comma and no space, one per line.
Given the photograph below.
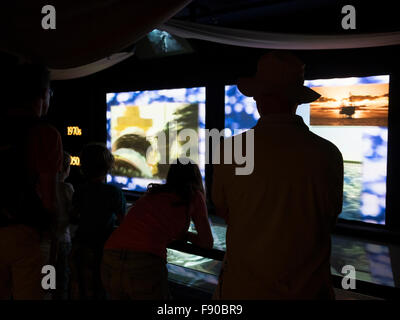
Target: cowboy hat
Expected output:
[278,72]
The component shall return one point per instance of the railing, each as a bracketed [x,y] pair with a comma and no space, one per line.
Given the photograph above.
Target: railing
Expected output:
[362,287]
[196,250]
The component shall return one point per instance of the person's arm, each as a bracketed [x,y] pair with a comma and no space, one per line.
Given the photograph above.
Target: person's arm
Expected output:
[203,238]
[45,159]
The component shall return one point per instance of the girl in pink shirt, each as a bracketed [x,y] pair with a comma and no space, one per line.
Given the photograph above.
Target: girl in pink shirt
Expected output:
[134,261]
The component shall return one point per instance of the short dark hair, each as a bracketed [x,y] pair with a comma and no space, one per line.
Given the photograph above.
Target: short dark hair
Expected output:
[184,179]
[96,160]
[28,81]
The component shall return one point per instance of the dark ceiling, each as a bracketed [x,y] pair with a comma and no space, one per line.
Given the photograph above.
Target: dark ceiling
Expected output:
[293,16]
[286,16]
[219,61]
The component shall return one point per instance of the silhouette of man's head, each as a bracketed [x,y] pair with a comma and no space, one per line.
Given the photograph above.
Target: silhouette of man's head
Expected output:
[30,88]
[278,85]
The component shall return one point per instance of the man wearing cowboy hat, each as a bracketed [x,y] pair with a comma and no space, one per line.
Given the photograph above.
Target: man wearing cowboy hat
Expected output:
[279,218]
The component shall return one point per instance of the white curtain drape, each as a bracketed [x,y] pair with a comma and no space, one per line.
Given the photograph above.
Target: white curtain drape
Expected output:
[88,69]
[269,40]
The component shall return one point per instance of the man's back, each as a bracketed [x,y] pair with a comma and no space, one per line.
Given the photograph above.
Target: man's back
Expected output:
[29,147]
[281,215]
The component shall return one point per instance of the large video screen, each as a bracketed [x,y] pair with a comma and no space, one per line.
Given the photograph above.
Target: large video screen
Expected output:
[352,113]
[144,133]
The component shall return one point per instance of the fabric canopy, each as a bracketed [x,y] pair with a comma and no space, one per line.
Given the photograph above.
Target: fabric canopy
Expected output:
[86,30]
[90,35]
[88,69]
[268,40]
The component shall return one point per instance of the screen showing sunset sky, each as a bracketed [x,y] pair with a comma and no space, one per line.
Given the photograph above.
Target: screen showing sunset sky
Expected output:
[363,104]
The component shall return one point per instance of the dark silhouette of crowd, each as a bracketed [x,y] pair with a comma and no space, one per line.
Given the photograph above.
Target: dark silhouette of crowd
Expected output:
[278,226]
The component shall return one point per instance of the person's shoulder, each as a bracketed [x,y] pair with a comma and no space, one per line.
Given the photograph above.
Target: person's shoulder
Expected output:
[325,145]
[45,129]
[199,196]
[68,186]
[112,189]
[83,188]
[145,197]
[44,126]
[163,196]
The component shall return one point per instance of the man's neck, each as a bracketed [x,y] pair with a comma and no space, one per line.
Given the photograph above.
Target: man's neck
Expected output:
[270,105]
[280,119]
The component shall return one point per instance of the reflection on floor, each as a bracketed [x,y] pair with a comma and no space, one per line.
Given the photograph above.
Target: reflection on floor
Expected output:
[207,283]
[374,262]
[195,279]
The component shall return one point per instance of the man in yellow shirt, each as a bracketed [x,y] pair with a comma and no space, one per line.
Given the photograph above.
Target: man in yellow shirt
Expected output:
[279,217]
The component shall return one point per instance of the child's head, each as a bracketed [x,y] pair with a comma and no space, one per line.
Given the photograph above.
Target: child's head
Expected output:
[185,175]
[182,179]
[96,161]
[66,166]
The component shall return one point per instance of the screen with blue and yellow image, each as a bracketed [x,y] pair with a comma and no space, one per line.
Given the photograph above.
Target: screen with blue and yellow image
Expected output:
[352,113]
[135,122]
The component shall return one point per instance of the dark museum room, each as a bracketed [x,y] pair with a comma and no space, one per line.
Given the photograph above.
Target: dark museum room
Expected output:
[199,152]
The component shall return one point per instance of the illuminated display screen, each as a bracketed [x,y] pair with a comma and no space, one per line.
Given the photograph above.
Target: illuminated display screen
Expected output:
[159,43]
[136,120]
[352,113]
